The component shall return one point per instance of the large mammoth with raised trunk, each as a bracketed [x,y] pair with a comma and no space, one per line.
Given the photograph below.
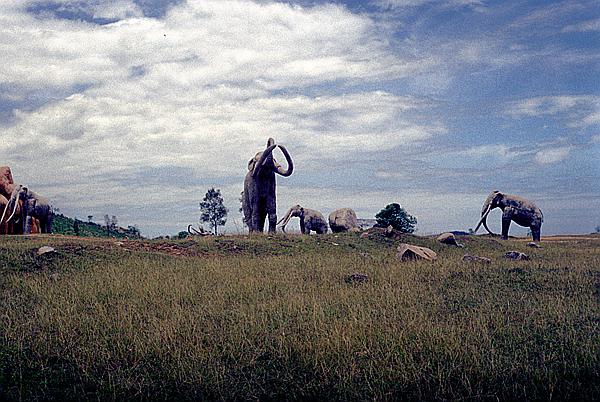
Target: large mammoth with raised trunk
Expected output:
[514,208]
[310,219]
[259,198]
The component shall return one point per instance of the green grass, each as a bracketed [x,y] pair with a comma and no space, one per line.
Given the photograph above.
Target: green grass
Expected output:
[271,318]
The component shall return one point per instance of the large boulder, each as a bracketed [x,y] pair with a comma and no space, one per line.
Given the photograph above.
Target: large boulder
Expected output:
[408,252]
[343,220]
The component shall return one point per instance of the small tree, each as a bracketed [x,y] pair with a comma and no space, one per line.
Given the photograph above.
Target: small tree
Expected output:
[598,229]
[107,223]
[90,218]
[213,210]
[76,227]
[397,217]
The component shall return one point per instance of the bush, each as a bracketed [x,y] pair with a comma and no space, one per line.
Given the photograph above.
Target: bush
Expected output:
[394,215]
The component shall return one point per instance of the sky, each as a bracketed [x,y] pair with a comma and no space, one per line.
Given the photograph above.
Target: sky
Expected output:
[135,108]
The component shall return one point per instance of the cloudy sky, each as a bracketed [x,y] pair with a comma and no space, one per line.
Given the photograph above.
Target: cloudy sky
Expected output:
[135,108]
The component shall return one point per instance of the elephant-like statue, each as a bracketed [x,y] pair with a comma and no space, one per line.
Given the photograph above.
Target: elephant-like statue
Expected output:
[514,208]
[309,220]
[259,198]
[343,220]
[33,207]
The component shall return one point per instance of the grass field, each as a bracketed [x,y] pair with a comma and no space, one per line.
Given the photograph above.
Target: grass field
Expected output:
[271,318]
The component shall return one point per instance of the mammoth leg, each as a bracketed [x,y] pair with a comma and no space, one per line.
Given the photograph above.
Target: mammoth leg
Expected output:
[535,233]
[28,224]
[506,219]
[272,212]
[303,228]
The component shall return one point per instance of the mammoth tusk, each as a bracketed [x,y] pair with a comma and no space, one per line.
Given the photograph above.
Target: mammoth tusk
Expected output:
[14,210]
[483,217]
[4,212]
[288,158]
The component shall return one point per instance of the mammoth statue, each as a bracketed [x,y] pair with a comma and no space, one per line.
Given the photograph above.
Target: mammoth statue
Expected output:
[33,207]
[259,199]
[309,220]
[343,220]
[523,212]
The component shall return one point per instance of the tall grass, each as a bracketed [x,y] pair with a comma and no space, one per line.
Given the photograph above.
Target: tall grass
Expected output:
[273,324]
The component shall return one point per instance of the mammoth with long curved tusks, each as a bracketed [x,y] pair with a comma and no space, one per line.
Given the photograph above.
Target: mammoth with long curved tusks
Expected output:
[33,207]
[514,208]
[259,199]
[309,220]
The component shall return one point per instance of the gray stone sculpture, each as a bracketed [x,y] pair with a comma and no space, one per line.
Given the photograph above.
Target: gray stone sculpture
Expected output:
[310,219]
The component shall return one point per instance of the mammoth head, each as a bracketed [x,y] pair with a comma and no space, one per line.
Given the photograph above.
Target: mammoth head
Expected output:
[491,202]
[264,161]
[296,211]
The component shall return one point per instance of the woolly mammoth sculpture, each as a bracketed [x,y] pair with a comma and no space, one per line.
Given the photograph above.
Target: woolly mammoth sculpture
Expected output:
[309,220]
[519,210]
[343,220]
[259,198]
[33,207]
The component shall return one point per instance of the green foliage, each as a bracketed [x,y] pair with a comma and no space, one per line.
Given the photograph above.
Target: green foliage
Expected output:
[182,235]
[394,215]
[271,318]
[212,209]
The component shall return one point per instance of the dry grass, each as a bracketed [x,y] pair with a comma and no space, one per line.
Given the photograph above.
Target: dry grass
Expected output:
[272,318]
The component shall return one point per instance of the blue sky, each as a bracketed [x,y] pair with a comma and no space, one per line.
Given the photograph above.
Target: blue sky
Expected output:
[136,108]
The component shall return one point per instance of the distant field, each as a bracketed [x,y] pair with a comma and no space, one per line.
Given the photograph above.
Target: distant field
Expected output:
[271,317]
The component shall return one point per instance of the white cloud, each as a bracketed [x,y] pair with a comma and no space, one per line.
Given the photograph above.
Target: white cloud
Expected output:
[552,155]
[579,110]
[584,26]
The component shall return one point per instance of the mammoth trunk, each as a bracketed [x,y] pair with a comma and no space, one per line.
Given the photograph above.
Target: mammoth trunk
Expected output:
[265,159]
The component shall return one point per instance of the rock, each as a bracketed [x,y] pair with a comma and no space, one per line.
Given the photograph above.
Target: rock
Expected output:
[45,250]
[365,235]
[448,238]
[408,252]
[516,255]
[119,243]
[533,244]
[357,278]
[54,276]
[475,258]
[342,220]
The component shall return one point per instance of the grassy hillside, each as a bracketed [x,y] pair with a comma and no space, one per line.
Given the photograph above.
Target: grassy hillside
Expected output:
[272,317]
[67,226]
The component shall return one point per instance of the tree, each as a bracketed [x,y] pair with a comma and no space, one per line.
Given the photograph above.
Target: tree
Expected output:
[90,218]
[213,210]
[107,222]
[394,215]
[598,229]
[76,226]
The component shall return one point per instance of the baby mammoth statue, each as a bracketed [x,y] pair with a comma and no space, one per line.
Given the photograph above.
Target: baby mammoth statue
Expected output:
[309,220]
[523,212]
